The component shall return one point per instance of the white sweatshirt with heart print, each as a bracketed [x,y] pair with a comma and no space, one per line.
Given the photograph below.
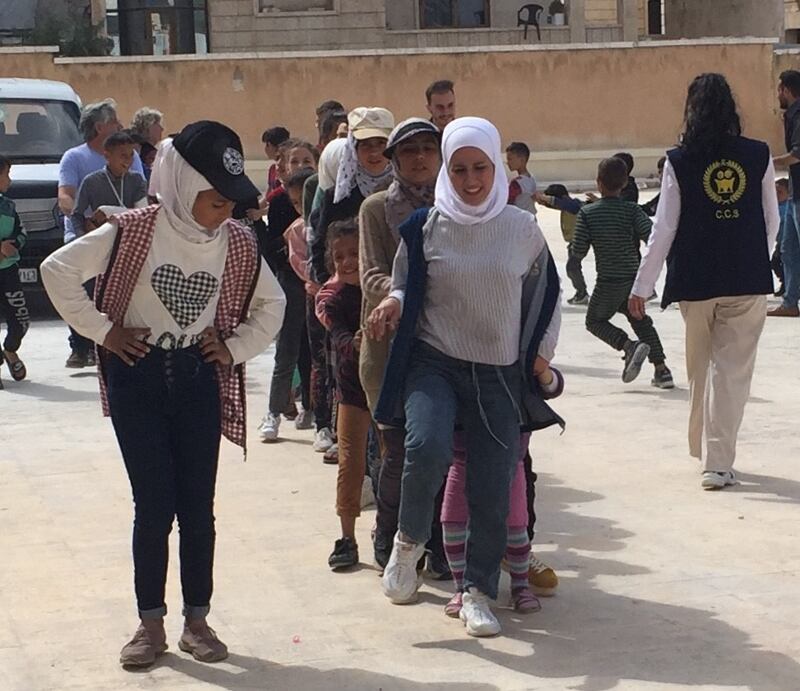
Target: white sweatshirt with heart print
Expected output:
[175,296]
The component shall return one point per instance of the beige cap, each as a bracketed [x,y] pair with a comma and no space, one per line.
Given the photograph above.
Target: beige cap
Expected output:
[366,123]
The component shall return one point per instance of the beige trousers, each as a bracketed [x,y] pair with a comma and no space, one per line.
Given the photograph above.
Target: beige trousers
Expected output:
[721,343]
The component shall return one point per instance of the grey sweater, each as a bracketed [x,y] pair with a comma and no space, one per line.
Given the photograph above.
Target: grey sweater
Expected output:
[474,290]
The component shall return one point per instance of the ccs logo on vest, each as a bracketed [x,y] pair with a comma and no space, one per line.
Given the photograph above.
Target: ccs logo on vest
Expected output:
[725,182]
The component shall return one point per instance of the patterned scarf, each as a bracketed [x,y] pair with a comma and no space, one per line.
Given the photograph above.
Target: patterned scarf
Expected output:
[352,174]
[403,199]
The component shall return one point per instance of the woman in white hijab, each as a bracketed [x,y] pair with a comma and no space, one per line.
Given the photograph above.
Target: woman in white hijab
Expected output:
[184,300]
[478,293]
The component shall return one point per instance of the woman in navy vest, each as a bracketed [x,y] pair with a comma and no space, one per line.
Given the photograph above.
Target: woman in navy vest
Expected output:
[715,226]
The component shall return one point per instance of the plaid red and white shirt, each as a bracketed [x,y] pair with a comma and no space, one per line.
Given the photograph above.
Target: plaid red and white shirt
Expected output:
[135,230]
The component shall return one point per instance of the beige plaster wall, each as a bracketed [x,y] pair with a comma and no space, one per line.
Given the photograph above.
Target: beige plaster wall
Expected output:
[567,100]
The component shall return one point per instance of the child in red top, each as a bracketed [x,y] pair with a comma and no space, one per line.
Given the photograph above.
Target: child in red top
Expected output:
[339,306]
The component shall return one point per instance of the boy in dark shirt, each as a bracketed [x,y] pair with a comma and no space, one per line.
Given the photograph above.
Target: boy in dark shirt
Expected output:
[12,299]
[113,186]
[614,228]
[630,192]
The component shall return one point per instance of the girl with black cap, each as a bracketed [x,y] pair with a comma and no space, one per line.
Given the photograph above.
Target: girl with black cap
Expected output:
[183,300]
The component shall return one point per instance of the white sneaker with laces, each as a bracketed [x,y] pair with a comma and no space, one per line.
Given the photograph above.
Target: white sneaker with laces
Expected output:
[477,615]
[400,579]
[717,480]
[304,419]
[367,493]
[323,440]
[268,430]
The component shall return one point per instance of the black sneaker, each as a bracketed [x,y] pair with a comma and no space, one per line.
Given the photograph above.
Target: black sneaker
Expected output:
[579,299]
[636,353]
[382,546]
[662,379]
[438,568]
[345,554]
[77,360]
[90,359]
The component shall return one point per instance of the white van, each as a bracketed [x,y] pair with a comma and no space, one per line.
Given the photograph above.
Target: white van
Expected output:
[38,123]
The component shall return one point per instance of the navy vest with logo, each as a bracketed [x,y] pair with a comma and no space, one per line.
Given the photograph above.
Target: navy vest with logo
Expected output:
[720,248]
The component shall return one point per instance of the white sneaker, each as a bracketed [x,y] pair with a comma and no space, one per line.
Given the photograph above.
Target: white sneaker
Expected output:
[476,614]
[400,579]
[367,493]
[304,420]
[717,480]
[323,440]
[268,430]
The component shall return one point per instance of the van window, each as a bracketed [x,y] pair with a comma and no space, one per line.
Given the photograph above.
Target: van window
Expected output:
[37,130]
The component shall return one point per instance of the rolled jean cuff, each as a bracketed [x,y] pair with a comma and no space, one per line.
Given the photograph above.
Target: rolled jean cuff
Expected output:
[192,612]
[155,613]
[415,534]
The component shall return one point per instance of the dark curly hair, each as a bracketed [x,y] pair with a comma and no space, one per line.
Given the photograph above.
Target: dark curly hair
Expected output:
[710,115]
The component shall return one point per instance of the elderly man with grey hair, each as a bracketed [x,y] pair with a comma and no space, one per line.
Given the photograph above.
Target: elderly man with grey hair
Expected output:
[98,121]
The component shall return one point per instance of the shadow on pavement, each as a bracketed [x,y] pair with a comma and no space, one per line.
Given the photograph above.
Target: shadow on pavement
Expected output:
[776,489]
[51,393]
[613,638]
[255,673]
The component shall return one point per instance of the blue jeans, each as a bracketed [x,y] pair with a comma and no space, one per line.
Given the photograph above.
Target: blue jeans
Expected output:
[440,392]
[166,415]
[790,255]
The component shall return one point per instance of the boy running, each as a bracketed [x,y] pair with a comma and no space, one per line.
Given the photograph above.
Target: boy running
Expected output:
[614,228]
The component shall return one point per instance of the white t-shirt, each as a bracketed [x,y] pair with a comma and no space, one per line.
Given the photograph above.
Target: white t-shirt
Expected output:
[175,296]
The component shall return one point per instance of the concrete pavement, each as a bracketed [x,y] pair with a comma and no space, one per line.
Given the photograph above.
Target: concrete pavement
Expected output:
[663,586]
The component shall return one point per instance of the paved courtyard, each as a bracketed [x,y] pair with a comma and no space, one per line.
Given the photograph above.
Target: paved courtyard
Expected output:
[663,586]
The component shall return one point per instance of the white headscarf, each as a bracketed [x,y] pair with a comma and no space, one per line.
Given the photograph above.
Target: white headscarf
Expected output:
[480,134]
[329,163]
[176,185]
[352,174]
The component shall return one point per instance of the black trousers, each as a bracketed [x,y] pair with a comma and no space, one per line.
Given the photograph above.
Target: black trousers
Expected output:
[13,309]
[78,343]
[166,415]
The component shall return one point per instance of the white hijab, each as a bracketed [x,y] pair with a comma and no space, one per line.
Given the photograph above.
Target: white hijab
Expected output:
[480,134]
[176,185]
[329,163]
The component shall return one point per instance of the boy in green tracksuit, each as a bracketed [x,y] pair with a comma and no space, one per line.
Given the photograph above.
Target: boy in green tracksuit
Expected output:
[12,300]
[614,229]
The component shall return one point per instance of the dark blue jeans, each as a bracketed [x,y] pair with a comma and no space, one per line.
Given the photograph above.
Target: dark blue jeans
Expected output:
[166,415]
[484,399]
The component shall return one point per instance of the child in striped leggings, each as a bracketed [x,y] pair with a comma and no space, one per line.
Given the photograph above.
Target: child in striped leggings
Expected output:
[455,517]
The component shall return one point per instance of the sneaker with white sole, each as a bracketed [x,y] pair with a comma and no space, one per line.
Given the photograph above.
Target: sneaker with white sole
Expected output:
[636,353]
[718,480]
[477,615]
[323,440]
[662,379]
[367,493]
[542,578]
[400,578]
[268,430]
[304,419]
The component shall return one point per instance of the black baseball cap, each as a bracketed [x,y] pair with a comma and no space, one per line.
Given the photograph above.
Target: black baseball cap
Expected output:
[215,151]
